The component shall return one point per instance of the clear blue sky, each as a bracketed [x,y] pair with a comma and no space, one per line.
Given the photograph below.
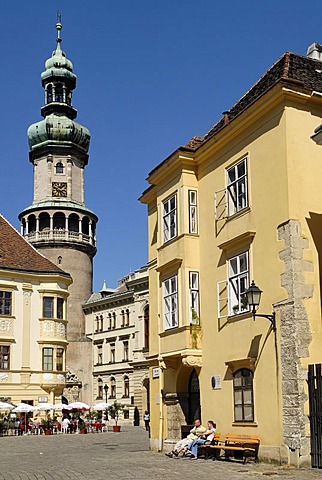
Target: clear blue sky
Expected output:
[151,75]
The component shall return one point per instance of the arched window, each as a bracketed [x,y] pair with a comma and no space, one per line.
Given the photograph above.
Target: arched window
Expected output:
[243,395]
[49,98]
[126,387]
[31,223]
[127,320]
[59,95]
[113,388]
[101,323]
[97,324]
[122,318]
[59,168]
[73,223]
[59,221]
[109,321]
[85,225]
[44,222]
[114,320]
[59,260]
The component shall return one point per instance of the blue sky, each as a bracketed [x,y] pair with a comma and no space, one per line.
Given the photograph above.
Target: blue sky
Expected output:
[151,75]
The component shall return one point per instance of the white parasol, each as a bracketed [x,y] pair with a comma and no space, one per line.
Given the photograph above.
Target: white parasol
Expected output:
[101,406]
[24,408]
[79,406]
[61,406]
[44,406]
[6,406]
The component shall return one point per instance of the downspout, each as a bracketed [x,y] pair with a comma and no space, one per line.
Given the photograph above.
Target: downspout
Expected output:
[161,390]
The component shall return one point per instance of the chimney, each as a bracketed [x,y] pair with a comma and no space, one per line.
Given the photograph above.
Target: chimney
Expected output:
[315,51]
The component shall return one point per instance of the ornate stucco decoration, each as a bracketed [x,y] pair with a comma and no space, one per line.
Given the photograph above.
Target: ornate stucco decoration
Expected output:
[192,361]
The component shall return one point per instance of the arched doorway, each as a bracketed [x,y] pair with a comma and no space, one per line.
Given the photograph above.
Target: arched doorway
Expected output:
[194,408]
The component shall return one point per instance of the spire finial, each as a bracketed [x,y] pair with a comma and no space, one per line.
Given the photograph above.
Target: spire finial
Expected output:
[58,27]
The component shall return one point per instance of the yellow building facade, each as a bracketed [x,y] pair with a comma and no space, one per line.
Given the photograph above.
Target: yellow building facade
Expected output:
[241,203]
[33,322]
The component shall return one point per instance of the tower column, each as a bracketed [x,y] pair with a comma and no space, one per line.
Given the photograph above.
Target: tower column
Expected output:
[51,227]
[37,227]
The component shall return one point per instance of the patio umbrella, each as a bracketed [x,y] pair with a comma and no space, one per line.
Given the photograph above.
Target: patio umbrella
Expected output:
[44,406]
[61,406]
[24,408]
[79,406]
[6,406]
[101,406]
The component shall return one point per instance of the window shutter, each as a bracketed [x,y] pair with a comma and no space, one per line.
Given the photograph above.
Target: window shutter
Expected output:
[222,299]
[221,204]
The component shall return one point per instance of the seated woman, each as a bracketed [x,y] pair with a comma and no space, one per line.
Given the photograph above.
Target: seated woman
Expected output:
[208,437]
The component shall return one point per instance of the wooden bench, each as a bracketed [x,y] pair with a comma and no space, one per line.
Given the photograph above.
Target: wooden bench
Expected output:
[247,445]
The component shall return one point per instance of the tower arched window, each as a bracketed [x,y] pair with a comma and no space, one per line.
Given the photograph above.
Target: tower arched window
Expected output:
[126,387]
[243,395]
[49,93]
[59,168]
[59,93]
[59,221]
[73,223]
[44,222]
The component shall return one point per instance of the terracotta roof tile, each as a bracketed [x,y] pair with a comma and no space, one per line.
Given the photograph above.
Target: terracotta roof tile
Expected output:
[17,254]
[290,69]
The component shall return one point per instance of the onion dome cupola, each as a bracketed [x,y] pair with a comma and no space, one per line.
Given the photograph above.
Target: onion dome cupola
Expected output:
[58,126]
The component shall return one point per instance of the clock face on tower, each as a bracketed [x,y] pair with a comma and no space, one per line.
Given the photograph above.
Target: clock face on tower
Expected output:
[59,189]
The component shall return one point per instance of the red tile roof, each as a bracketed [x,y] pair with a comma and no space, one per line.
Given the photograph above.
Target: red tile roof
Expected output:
[17,254]
[290,70]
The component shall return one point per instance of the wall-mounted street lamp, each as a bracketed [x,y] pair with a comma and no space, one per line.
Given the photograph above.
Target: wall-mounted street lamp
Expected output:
[253,294]
[106,391]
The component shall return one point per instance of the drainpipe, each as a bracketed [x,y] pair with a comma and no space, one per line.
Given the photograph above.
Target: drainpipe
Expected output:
[161,417]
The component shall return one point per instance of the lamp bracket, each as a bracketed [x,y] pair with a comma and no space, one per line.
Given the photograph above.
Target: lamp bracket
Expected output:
[271,318]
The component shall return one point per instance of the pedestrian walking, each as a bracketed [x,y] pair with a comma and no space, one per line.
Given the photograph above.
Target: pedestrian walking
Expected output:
[146,419]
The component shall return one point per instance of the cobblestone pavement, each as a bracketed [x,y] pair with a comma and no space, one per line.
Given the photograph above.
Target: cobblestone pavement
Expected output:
[123,456]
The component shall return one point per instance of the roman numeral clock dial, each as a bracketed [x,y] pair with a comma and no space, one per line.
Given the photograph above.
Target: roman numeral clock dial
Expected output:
[59,189]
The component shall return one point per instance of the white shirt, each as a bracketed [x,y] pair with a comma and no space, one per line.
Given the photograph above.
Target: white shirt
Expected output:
[210,437]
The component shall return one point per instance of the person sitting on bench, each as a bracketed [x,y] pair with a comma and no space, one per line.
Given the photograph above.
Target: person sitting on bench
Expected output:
[183,444]
[203,439]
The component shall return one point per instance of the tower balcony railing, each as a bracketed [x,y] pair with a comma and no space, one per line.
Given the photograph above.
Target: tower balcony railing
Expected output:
[60,234]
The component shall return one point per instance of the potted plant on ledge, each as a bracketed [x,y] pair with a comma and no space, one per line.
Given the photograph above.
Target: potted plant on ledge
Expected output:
[115,410]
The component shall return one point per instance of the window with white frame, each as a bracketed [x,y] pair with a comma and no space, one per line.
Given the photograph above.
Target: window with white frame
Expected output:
[99,355]
[194,297]
[193,214]
[237,187]
[5,302]
[170,302]
[4,357]
[243,395]
[112,353]
[238,282]
[170,218]
[126,351]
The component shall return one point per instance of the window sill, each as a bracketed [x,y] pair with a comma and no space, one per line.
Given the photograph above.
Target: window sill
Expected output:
[244,424]
[240,213]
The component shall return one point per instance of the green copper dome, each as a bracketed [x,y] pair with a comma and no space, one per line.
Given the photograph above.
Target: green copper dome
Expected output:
[58,129]
[58,66]
[58,126]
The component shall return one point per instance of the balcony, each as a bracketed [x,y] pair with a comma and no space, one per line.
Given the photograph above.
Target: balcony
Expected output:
[60,235]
